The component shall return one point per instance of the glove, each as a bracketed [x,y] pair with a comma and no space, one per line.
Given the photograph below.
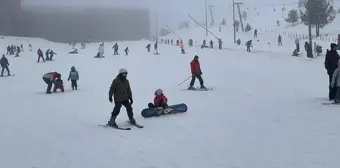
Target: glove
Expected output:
[110,99]
[131,101]
[201,72]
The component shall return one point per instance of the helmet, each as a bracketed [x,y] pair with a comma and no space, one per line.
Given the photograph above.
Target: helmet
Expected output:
[72,67]
[158,92]
[123,71]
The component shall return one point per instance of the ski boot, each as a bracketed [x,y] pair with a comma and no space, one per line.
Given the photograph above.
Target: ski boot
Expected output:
[112,122]
[132,121]
[191,88]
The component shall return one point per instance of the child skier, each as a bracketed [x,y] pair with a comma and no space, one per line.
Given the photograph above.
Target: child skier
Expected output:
[336,81]
[58,84]
[74,76]
[160,100]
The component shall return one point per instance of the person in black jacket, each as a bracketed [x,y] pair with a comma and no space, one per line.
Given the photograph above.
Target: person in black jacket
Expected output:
[331,63]
[4,64]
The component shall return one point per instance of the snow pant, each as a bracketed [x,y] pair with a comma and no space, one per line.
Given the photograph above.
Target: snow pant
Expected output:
[150,105]
[49,84]
[194,78]
[183,52]
[332,90]
[3,69]
[298,47]
[211,46]
[248,49]
[148,49]
[47,58]
[118,106]
[126,53]
[58,86]
[74,84]
[115,52]
[220,46]
[42,57]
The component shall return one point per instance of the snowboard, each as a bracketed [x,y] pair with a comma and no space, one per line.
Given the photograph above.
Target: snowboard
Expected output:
[158,111]
[330,103]
[99,57]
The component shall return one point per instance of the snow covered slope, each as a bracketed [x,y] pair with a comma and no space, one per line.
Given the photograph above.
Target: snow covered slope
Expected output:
[265,111]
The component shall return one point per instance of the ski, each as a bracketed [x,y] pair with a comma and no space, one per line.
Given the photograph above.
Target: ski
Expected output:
[119,128]
[136,125]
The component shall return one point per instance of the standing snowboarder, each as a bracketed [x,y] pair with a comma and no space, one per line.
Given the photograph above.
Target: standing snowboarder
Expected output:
[249,44]
[127,51]
[255,33]
[40,55]
[196,73]
[121,91]
[74,77]
[331,63]
[115,49]
[4,65]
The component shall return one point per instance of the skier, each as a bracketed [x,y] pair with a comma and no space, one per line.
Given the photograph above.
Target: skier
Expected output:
[255,33]
[238,41]
[220,44]
[40,55]
[30,46]
[331,63]
[336,83]
[58,84]
[49,79]
[297,43]
[4,65]
[249,44]
[182,47]
[211,44]
[160,100]
[115,48]
[156,48]
[279,40]
[148,47]
[127,50]
[100,51]
[74,76]
[121,91]
[196,73]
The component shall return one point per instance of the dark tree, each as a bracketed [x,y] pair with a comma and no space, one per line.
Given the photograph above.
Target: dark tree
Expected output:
[322,12]
[247,28]
[293,16]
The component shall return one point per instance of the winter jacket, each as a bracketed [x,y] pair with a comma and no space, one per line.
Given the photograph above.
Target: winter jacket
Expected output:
[101,49]
[73,75]
[195,67]
[4,62]
[336,77]
[182,46]
[59,82]
[40,53]
[160,101]
[51,75]
[120,89]
[331,61]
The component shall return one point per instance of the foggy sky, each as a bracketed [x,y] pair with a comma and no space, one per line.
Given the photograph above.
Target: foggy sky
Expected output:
[170,12]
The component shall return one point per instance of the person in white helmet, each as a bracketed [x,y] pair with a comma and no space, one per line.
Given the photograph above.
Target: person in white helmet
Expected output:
[121,91]
[160,100]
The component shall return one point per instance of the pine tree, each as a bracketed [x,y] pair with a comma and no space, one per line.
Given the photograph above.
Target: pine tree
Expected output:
[320,9]
[293,16]
[247,28]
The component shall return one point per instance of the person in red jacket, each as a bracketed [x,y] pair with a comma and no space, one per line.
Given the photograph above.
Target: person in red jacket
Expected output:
[196,73]
[160,100]
[49,79]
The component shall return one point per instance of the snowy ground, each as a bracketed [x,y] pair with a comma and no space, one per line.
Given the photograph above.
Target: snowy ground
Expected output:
[265,111]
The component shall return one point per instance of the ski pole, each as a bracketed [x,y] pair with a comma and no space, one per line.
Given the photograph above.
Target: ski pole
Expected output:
[185,80]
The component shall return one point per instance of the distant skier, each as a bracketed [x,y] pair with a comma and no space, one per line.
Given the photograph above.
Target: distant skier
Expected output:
[121,91]
[75,51]
[127,51]
[182,47]
[279,40]
[4,65]
[238,42]
[30,46]
[47,53]
[211,44]
[177,42]
[58,84]
[51,55]
[255,33]
[156,48]
[148,47]
[74,77]
[115,48]
[196,73]
[335,83]
[249,44]
[220,44]
[100,51]
[331,63]
[49,79]
[297,43]
[40,55]
[160,100]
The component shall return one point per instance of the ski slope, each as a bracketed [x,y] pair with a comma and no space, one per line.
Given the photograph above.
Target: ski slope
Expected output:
[265,111]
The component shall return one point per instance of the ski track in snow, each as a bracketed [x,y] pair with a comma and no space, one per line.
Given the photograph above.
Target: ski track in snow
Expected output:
[265,110]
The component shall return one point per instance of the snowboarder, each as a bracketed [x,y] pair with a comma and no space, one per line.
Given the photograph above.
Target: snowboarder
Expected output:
[75,51]
[74,77]
[331,63]
[196,73]
[49,79]
[156,48]
[160,100]
[121,91]
[4,65]
[148,47]
[40,55]
[58,84]
[100,51]
[127,50]
[336,83]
